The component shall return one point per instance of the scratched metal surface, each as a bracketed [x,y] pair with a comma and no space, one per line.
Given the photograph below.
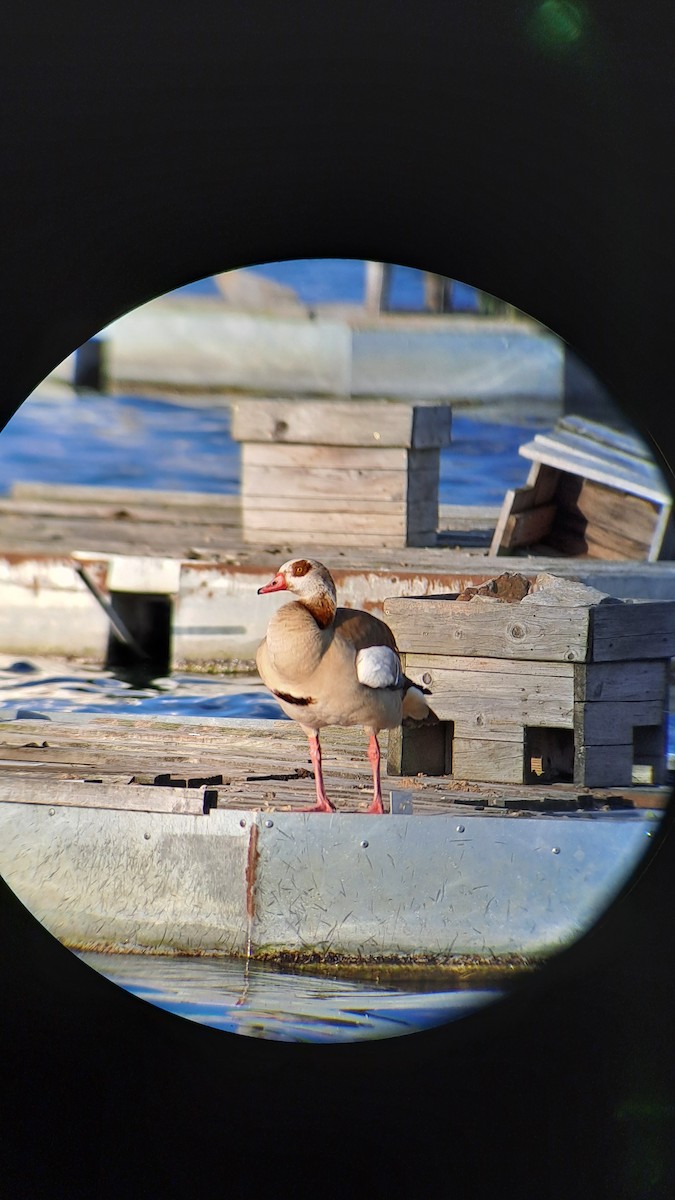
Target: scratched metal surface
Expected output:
[129,880]
[408,885]
[245,883]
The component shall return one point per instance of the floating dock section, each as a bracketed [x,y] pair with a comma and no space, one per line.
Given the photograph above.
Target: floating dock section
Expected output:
[176,838]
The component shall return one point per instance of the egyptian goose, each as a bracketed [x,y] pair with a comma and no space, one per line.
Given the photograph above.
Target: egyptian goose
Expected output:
[333,666]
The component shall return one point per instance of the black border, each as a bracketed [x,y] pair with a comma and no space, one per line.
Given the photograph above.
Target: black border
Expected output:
[146,145]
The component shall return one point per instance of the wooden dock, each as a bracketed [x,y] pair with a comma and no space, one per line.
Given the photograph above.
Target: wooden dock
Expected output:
[173,765]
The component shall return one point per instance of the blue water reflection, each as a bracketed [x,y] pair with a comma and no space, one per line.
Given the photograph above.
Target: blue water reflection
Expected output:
[257,1001]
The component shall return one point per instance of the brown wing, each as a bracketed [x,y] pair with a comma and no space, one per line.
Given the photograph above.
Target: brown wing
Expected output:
[363,629]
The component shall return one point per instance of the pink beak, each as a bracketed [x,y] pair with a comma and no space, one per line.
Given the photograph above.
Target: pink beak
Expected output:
[278,584]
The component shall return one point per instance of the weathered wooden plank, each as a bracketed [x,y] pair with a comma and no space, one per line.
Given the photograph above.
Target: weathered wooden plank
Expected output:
[483,700]
[316,523]
[306,456]
[542,481]
[344,505]
[611,681]
[609,723]
[280,482]
[102,795]
[490,629]
[84,494]
[550,672]
[604,766]
[341,423]
[134,513]
[594,542]
[643,629]
[524,528]
[487,760]
[364,540]
[613,509]
[467,517]
[663,539]
[540,488]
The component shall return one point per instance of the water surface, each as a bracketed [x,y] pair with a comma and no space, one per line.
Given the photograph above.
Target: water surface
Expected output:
[258,1001]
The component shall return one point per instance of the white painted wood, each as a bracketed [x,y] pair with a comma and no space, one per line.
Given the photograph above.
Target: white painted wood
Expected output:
[150,575]
[566,454]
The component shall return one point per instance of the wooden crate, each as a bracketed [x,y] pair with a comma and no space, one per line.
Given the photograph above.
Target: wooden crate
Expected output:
[333,473]
[591,492]
[536,690]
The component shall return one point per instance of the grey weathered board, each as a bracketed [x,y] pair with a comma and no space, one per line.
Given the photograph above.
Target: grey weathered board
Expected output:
[331,422]
[533,630]
[338,473]
[264,764]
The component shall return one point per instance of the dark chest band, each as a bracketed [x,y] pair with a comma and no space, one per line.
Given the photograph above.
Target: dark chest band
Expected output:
[292,699]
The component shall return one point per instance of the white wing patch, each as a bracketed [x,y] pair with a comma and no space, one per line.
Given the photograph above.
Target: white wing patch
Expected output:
[379,667]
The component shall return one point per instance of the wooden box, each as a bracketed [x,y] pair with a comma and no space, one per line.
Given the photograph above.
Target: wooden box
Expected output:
[340,472]
[591,492]
[537,691]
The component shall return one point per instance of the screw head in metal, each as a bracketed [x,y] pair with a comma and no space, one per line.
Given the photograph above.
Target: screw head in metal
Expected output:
[364,844]
[460,829]
[555,849]
[426,678]
[146,836]
[269,824]
[52,811]
[243,822]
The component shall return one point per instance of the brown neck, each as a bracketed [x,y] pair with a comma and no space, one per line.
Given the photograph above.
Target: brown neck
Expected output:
[322,609]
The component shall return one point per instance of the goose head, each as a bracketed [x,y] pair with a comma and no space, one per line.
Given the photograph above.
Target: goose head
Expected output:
[311,583]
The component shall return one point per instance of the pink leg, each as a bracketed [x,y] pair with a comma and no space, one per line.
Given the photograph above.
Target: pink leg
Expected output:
[323,804]
[374,756]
